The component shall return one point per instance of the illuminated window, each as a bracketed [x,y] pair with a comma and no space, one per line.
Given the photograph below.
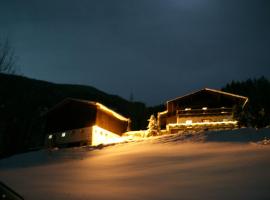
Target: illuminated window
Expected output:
[64,134]
[206,120]
[103,136]
[204,108]
[188,121]
[50,137]
[187,109]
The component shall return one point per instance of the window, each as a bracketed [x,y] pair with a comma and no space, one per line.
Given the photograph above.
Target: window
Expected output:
[188,121]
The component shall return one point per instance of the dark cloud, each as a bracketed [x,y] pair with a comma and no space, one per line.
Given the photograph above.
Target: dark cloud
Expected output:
[159,49]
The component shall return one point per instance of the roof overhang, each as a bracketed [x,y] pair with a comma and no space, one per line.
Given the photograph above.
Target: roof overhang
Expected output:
[96,104]
[242,98]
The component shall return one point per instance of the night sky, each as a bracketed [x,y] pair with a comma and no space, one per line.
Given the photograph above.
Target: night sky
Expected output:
[158,49]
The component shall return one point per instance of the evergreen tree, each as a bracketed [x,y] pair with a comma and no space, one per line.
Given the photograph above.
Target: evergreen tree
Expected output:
[257,111]
[152,127]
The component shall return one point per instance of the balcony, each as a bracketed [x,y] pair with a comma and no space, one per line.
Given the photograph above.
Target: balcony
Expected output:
[204,111]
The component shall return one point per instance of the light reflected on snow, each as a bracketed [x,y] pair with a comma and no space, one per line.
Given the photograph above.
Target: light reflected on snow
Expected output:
[155,168]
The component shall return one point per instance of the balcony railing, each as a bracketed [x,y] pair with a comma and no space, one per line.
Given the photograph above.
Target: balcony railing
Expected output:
[208,111]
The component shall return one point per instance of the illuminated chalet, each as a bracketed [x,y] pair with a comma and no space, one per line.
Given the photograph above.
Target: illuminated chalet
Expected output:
[203,109]
[79,122]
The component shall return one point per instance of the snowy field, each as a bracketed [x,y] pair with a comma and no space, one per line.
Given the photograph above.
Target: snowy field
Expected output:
[217,165]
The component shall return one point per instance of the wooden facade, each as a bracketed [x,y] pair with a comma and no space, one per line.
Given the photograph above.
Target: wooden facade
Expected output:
[80,122]
[206,108]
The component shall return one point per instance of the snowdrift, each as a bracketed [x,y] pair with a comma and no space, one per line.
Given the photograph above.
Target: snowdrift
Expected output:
[200,166]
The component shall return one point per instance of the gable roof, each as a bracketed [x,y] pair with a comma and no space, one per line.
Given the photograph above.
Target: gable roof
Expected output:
[96,104]
[243,99]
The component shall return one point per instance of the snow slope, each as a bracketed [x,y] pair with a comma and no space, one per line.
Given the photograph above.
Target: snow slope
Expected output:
[167,167]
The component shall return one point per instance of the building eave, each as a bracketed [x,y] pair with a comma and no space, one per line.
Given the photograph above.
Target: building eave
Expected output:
[215,91]
[115,114]
[98,105]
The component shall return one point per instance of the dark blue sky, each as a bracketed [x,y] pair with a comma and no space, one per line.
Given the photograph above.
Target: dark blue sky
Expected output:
[159,49]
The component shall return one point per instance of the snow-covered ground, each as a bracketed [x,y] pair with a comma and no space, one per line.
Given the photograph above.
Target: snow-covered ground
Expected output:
[206,166]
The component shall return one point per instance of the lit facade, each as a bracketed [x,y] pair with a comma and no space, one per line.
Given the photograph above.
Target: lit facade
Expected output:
[203,109]
[76,122]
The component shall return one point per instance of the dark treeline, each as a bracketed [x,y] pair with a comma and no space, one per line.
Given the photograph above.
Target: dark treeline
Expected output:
[257,112]
[24,101]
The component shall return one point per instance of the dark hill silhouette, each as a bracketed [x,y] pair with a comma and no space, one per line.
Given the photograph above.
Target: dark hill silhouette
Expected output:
[23,101]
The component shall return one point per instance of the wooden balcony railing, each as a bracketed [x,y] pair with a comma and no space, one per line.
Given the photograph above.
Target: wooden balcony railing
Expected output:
[208,111]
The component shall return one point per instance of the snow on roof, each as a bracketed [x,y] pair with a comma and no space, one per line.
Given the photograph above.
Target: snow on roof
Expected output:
[213,90]
[163,112]
[99,105]
[115,114]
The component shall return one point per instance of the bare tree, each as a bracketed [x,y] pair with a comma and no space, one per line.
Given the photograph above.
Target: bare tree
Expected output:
[7,58]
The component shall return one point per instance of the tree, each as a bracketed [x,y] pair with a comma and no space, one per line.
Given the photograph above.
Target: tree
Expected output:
[152,127]
[7,58]
[262,120]
[243,116]
[257,111]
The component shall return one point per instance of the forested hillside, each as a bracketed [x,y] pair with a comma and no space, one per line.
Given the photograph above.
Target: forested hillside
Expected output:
[257,111]
[23,102]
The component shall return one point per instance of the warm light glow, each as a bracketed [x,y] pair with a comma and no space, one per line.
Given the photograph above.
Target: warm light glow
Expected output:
[204,108]
[102,136]
[188,122]
[206,120]
[120,117]
[203,123]
[163,112]
[50,137]
[186,109]
[63,134]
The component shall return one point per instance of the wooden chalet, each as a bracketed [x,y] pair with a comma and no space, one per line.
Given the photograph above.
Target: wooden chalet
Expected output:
[203,109]
[79,122]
